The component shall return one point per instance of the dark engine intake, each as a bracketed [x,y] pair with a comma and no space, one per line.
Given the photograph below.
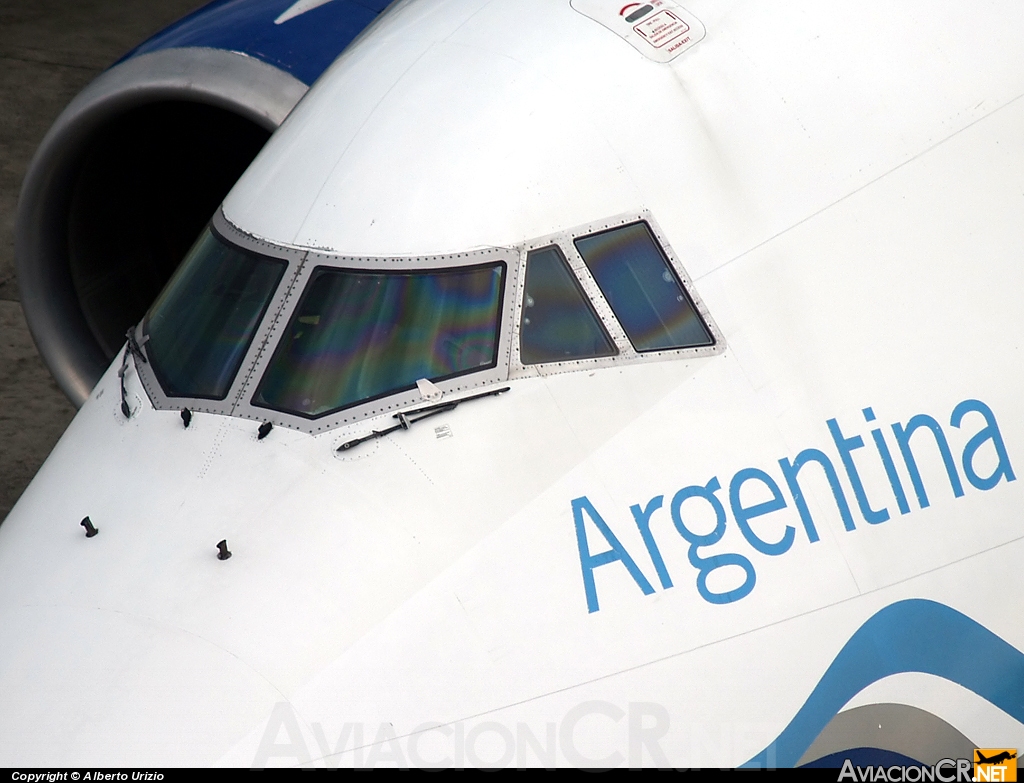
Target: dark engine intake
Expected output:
[122,185]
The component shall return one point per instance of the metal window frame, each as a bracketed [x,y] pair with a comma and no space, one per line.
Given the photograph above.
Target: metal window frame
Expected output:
[303,262]
[586,299]
[391,403]
[565,240]
[294,259]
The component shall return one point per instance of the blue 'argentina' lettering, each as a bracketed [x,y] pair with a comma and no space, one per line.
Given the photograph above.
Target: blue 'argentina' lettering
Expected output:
[705,565]
[749,517]
[589,562]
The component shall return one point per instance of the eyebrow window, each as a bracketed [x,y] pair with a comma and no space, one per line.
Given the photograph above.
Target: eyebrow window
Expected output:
[356,336]
[201,325]
[558,323]
[642,289]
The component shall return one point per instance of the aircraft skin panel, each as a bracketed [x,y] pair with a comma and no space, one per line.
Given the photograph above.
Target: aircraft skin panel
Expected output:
[755,128]
[705,552]
[104,671]
[742,693]
[696,407]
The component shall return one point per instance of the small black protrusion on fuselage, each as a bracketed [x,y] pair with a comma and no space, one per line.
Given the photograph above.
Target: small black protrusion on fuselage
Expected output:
[90,528]
[186,417]
[222,550]
[264,430]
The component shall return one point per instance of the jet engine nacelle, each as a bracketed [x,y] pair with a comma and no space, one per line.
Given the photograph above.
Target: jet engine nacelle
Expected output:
[139,160]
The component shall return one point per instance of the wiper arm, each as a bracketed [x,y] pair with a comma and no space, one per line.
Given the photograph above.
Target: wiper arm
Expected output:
[134,348]
[407,418]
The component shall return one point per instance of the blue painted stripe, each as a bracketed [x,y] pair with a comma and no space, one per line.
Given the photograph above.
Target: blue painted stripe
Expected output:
[909,636]
[303,46]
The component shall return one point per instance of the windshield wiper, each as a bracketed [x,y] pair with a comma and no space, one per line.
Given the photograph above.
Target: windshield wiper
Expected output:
[134,348]
[407,418]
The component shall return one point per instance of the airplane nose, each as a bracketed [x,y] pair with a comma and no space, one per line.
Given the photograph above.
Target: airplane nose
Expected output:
[107,562]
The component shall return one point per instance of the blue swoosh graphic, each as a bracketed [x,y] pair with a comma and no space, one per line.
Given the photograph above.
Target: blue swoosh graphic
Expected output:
[303,46]
[909,636]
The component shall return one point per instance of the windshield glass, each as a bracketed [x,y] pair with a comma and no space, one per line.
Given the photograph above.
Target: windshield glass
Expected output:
[359,335]
[201,325]
[643,289]
[558,322]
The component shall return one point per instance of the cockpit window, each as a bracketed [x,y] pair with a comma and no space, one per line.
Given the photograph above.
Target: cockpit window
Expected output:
[642,289]
[359,335]
[201,325]
[558,323]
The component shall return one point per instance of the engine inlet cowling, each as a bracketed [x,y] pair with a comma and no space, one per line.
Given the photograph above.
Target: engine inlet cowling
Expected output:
[121,186]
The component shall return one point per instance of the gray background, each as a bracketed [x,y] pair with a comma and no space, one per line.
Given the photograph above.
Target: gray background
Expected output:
[49,50]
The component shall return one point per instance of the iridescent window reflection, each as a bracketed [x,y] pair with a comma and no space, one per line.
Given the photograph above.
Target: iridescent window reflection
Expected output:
[359,335]
[201,325]
[558,323]
[642,289]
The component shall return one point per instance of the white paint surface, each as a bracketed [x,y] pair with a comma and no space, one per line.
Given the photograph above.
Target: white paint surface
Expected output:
[845,184]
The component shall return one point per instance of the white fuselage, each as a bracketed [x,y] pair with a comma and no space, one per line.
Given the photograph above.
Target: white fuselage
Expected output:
[843,184]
